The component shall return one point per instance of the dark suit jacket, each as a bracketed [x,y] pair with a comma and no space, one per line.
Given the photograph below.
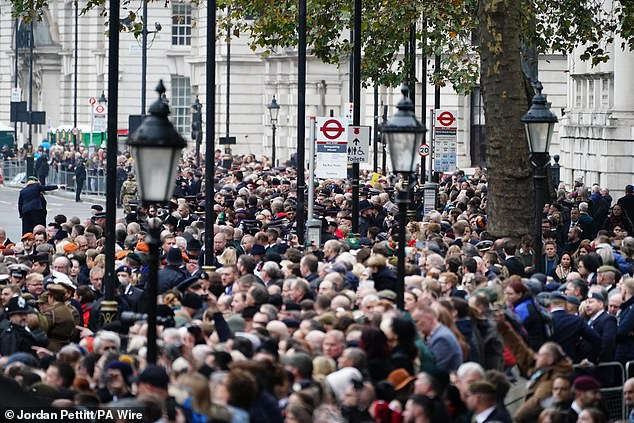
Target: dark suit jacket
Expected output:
[605,325]
[499,416]
[570,330]
[514,266]
[132,297]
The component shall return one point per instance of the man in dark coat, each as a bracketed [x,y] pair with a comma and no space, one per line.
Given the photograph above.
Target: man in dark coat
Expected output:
[41,167]
[172,274]
[130,293]
[570,329]
[512,263]
[482,401]
[605,324]
[80,179]
[32,204]
[627,202]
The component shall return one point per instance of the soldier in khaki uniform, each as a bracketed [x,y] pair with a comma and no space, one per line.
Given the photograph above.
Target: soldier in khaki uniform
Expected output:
[59,316]
[128,192]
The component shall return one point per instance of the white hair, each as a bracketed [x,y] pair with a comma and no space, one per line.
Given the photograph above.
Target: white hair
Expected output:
[107,335]
[470,367]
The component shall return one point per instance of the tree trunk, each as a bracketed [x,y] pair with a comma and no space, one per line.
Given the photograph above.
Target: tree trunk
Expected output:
[510,191]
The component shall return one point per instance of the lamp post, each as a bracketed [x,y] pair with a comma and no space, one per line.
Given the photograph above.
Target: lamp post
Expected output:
[539,122]
[274,110]
[156,147]
[403,134]
[109,307]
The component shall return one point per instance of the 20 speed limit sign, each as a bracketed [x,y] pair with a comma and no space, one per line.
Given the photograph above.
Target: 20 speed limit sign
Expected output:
[424,150]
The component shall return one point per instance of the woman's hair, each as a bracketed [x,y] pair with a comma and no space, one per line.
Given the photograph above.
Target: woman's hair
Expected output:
[374,342]
[444,317]
[242,388]
[200,391]
[405,330]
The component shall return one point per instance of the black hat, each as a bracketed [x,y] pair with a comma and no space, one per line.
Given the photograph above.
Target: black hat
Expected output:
[61,235]
[97,207]
[174,256]
[192,300]
[124,268]
[154,376]
[17,305]
[99,215]
[365,205]
[194,245]
[42,258]
[182,287]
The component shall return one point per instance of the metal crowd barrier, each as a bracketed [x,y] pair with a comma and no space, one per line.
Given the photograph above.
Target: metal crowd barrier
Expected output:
[12,168]
[94,185]
[612,377]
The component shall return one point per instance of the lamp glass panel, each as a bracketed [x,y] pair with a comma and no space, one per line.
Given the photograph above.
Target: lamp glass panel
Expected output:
[538,133]
[156,168]
[403,147]
[274,111]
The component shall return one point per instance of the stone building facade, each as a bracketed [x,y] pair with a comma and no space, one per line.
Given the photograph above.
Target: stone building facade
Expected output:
[176,54]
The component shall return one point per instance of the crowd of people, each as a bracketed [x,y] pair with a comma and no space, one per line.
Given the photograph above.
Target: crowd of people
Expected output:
[273,331]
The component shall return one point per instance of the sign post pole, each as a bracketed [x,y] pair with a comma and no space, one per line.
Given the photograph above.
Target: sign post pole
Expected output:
[313,233]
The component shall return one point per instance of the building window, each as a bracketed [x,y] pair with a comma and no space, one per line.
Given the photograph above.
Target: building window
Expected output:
[591,94]
[605,92]
[180,103]
[578,93]
[181,24]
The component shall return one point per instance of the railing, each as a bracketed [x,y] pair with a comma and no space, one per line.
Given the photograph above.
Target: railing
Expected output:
[611,375]
[14,173]
[11,169]
[94,185]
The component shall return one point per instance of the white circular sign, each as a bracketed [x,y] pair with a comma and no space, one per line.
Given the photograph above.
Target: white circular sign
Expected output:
[424,150]
[100,109]
[92,101]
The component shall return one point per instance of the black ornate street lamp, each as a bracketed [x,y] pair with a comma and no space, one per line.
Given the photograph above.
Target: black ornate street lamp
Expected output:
[539,123]
[274,110]
[156,147]
[403,134]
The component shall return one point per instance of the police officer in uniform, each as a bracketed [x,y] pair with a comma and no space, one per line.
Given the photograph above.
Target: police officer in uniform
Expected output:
[61,323]
[17,337]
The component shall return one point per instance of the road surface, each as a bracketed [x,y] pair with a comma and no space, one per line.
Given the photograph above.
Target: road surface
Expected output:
[59,202]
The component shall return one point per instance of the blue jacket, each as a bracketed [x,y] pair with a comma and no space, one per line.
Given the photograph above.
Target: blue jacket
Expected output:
[445,348]
[625,333]
[31,197]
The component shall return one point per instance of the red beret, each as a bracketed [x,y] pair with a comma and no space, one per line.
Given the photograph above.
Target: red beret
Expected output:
[586,383]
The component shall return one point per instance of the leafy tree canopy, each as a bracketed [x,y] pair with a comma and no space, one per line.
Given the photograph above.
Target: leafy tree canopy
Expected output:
[547,26]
